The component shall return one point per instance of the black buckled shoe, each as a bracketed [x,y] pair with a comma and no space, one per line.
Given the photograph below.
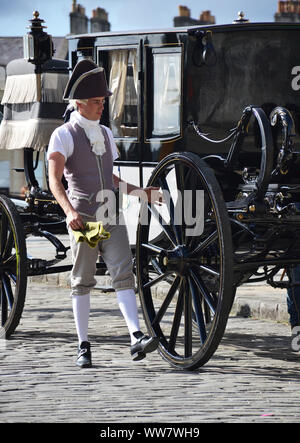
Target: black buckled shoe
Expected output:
[84,358]
[143,345]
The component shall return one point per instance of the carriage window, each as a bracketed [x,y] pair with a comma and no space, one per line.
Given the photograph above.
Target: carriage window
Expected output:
[167,93]
[123,85]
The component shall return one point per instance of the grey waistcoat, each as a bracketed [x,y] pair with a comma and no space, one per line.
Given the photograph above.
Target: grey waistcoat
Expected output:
[87,173]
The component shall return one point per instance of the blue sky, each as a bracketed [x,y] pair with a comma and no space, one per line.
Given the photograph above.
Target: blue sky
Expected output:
[126,14]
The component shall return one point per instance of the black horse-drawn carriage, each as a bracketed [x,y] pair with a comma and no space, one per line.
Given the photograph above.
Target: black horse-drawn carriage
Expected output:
[211,115]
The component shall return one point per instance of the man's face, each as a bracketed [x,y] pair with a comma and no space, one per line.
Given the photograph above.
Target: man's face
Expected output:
[93,109]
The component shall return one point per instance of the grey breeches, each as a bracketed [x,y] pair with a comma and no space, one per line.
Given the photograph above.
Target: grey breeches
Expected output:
[116,254]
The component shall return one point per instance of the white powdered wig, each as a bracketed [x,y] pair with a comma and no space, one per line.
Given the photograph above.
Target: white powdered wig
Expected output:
[74,102]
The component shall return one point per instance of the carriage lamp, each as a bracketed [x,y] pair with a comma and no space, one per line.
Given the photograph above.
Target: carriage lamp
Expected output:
[37,44]
[37,48]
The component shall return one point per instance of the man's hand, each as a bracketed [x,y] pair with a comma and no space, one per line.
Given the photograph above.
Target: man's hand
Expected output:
[74,220]
[151,194]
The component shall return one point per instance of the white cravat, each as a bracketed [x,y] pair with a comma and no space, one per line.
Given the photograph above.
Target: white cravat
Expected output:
[92,130]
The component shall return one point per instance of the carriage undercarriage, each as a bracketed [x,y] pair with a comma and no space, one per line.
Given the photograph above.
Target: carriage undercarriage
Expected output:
[210,236]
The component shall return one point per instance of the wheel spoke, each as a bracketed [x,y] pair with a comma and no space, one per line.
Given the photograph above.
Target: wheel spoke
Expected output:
[3,233]
[3,305]
[208,270]
[207,242]
[156,266]
[10,266]
[8,291]
[198,310]
[176,320]
[187,322]
[12,277]
[152,247]
[156,280]
[204,291]
[180,180]
[162,310]
[163,224]
[177,229]
[8,246]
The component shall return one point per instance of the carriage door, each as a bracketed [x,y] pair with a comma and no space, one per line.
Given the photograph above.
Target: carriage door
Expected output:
[122,116]
[163,122]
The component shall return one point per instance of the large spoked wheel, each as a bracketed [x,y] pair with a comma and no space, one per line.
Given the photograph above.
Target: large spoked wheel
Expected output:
[184,249]
[13,267]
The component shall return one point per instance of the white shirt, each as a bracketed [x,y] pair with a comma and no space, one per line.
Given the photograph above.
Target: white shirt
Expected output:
[62,141]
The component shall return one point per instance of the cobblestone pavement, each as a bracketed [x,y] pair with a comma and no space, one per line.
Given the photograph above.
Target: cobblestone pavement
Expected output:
[253,376]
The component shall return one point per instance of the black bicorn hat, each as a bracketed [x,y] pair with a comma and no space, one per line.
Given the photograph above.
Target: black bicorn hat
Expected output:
[87,81]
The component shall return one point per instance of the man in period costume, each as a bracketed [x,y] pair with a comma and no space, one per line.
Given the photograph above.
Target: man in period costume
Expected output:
[83,151]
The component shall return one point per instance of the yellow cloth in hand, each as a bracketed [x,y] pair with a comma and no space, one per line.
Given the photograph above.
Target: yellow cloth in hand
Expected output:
[92,234]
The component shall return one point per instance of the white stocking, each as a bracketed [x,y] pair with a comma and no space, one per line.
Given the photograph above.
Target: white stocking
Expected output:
[81,311]
[128,307]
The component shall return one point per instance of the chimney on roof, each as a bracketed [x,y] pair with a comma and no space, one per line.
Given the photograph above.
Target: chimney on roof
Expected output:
[184,18]
[184,11]
[78,19]
[99,20]
[288,11]
[207,18]
[280,8]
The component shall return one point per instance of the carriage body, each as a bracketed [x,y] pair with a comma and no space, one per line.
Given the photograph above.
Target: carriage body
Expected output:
[180,82]
[211,115]
[208,75]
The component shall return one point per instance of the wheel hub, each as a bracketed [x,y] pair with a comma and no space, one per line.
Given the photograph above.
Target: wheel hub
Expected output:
[176,260]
